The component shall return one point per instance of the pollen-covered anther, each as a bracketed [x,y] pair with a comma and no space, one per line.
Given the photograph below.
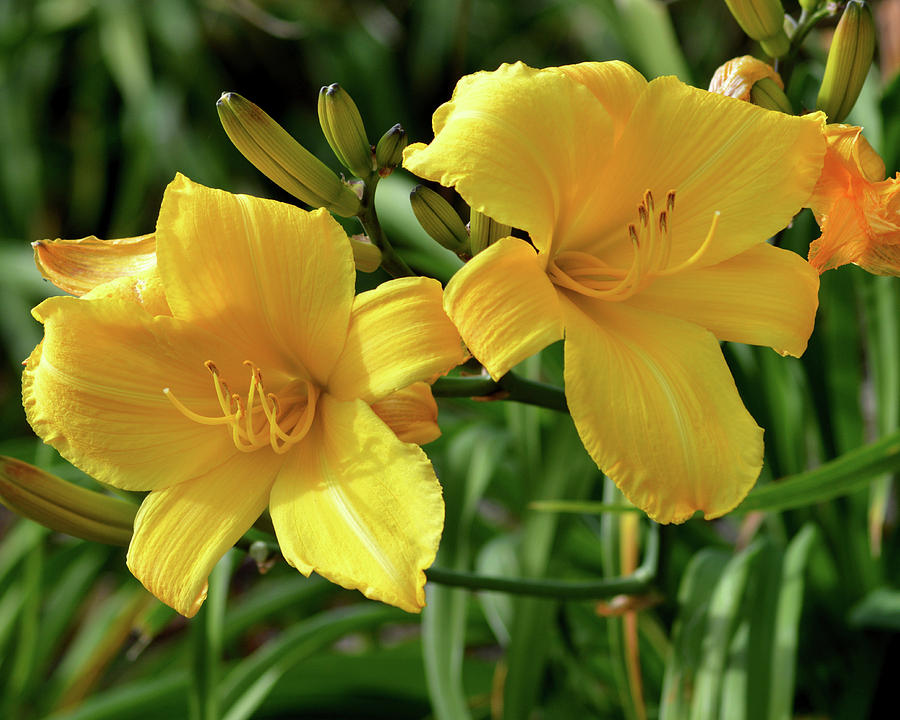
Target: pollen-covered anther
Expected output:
[651,240]
[263,419]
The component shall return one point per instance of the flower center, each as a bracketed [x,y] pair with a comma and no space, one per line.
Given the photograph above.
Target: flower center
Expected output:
[651,240]
[263,419]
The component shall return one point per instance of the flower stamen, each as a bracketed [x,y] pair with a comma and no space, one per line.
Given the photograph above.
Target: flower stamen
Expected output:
[651,241]
[246,421]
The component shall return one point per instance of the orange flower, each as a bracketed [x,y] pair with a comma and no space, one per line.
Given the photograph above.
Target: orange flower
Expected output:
[857,209]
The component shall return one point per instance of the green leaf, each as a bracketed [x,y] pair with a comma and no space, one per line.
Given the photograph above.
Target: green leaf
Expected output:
[879,609]
[842,476]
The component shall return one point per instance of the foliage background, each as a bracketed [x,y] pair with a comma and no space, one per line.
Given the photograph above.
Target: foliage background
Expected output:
[101,101]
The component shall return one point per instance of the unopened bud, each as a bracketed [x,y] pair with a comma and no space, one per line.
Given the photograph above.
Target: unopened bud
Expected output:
[762,20]
[848,61]
[483,231]
[438,218]
[736,77]
[64,507]
[389,150]
[768,95]
[281,158]
[366,256]
[344,130]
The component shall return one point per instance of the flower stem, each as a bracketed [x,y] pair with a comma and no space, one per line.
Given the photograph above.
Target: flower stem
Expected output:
[509,387]
[392,263]
[636,583]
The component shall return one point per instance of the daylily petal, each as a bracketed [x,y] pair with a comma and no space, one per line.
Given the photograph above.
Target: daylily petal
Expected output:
[144,288]
[764,296]
[411,413]
[398,335]
[505,141]
[615,84]
[275,279]
[658,411]
[181,532]
[756,167]
[504,305]
[78,266]
[359,507]
[94,390]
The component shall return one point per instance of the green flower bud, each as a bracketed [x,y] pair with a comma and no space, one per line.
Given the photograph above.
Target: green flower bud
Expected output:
[766,93]
[762,20]
[438,218]
[344,130]
[848,61]
[483,231]
[389,150]
[281,158]
[64,507]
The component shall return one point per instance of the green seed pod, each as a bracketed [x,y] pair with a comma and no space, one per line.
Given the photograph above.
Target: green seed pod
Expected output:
[344,130]
[438,218]
[389,150]
[848,61]
[281,158]
[767,94]
[483,231]
[762,20]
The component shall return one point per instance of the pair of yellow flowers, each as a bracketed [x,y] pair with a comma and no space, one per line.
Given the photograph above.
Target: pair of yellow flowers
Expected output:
[234,370]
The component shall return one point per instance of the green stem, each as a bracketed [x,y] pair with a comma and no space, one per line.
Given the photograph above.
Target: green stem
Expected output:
[509,387]
[636,583]
[805,23]
[392,263]
[208,632]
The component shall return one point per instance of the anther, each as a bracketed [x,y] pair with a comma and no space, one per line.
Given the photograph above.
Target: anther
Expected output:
[670,201]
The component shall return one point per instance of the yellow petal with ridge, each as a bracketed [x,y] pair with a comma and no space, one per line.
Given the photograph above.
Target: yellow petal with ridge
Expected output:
[411,413]
[616,85]
[181,532]
[269,276]
[398,335]
[764,296]
[359,507]
[520,145]
[93,389]
[658,411]
[504,305]
[756,167]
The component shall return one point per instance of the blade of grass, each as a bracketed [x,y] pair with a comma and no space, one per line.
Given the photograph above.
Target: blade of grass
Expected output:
[251,680]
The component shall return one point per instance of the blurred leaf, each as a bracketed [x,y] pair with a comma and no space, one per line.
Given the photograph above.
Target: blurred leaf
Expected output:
[879,609]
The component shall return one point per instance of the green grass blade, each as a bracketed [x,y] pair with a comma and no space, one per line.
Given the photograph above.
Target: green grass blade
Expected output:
[787,622]
[694,593]
[251,680]
[842,476]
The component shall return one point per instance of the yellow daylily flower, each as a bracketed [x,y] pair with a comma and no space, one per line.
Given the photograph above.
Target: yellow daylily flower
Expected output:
[241,373]
[857,209]
[648,206]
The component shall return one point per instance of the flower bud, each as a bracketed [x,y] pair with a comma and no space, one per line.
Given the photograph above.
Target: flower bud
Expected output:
[64,507]
[438,218]
[848,61]
[389,150]
[344,130]
[366,255]
[736,77]
[762,20]
[281,158]
[483,231]
[768,95]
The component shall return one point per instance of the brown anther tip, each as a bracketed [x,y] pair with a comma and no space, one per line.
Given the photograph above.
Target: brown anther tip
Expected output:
[211,366]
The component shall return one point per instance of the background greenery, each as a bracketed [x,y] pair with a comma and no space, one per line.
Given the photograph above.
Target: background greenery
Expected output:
[789,610]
